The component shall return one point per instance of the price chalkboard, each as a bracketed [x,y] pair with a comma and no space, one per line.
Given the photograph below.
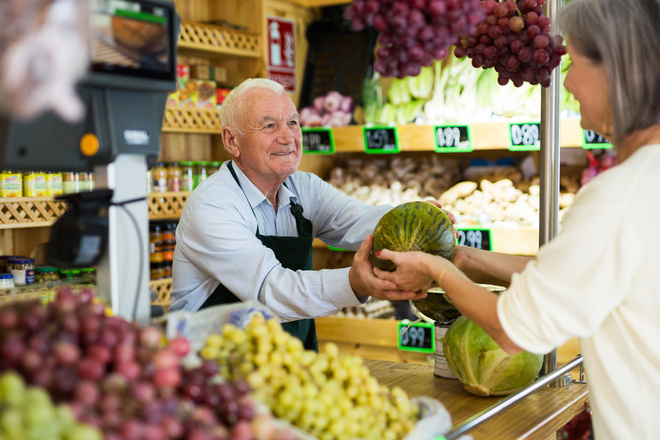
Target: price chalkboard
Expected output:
[593,140]
[453,139]
[381,139]
[479,238]
[418,336]
[525,136]
[318,141]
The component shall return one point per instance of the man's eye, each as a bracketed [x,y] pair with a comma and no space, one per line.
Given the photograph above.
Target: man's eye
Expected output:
[293,122]
[269,125]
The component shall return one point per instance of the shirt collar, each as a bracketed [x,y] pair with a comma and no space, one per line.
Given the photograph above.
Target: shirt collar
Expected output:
[256,197]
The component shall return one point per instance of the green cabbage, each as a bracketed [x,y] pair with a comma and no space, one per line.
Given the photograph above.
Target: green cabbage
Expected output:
[481,364]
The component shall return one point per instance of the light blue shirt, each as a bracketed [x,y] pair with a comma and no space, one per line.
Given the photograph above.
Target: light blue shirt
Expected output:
[216,242]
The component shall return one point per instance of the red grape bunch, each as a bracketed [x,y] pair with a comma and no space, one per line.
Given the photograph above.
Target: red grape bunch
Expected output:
[515,40]
[412,33]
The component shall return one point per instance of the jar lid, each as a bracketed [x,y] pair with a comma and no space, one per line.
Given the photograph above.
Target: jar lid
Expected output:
[215,163]
[21,260]
[87,269]
[187,163]
[69,271]
[174,164]
[45,269]
[6,257]
[6,276]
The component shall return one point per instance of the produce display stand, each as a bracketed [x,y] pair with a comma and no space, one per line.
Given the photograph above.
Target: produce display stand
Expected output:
[539,416]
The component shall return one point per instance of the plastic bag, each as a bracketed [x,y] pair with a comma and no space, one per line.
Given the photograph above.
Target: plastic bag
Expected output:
[44,52]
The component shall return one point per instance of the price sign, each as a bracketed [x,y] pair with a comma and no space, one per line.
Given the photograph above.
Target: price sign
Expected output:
[525,136]
[381,139]
[594,140]
[479,238]
[318,141]
[417,336]
[453,139]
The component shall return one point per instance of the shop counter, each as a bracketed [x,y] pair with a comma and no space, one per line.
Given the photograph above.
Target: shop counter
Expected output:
[538,416]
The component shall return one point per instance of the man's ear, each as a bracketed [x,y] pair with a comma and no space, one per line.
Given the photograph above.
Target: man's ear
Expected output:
[230,140]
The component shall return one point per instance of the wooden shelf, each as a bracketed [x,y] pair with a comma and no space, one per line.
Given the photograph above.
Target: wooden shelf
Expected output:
[29,212]
[191,120]
[485,136]
[166,205]
[163,288]
[214,41]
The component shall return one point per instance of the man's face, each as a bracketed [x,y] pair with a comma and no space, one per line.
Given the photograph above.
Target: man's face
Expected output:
[271,147]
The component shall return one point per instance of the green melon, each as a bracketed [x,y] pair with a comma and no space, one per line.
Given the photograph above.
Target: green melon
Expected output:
[414,226]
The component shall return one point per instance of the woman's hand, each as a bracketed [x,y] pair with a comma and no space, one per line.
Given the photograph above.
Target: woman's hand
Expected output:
[415,270]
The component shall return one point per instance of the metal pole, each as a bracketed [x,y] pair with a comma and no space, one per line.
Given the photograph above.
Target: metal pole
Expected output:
[497,408]
[549,162]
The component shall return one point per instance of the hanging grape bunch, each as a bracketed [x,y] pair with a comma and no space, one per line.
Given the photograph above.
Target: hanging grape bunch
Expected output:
[414,33]
[515,40]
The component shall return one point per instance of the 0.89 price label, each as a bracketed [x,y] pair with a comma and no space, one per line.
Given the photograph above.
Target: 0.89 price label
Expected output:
[453,139]
[318,141]
[479,238]
[418,336]
[525,136]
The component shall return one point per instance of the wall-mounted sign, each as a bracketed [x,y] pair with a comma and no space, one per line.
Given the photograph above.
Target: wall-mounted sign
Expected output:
[282,52]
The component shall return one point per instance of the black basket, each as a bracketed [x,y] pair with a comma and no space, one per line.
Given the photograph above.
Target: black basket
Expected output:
[338,59]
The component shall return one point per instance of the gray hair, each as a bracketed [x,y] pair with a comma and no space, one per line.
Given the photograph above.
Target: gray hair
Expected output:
[232,106]
[625,37]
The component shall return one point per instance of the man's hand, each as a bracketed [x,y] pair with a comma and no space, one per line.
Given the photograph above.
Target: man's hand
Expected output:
[364,282]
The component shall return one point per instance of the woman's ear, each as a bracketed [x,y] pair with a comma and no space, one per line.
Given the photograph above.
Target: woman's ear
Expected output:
[230,140]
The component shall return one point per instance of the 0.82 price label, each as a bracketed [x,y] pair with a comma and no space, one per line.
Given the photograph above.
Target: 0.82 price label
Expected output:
[318,141]
[418,336]
[381,139]
[453,139]
[479,238]
[593,140]
[525,136]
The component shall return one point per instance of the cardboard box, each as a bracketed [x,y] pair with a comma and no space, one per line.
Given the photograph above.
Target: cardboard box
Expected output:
[212,73]
[188,94]
[221,94]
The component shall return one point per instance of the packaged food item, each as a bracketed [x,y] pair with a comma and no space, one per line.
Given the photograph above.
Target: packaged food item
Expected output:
[84,181]
[168,269]
[159,178]
[88,275]
[174,177]
[34,184]
[187,176]
[22,269]
[168,242]
[70,275]
[11,184]
[221,94]
[53,184]
[70,182]
[157,271]
[188,94]
[200,173]
[6,281]
[46,274]
[206,95]
[212,167]
[4,265]
[155,243]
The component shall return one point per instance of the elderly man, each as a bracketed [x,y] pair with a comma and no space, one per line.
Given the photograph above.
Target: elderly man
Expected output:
[247,231]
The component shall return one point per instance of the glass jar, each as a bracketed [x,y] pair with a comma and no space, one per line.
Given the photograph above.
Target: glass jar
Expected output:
[11,184]
[46,274]
[88,275]
[70,275]
[168,269]
[168,242]
[174,177]
[157,271]
[187,176]
[6,281]
[22,269]
[159,178]
[70,182]
[84,182]
[200,173]
[212,167]
[4,265]
[155,243]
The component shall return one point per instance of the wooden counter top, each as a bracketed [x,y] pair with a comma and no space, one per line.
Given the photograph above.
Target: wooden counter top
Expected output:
[538,416]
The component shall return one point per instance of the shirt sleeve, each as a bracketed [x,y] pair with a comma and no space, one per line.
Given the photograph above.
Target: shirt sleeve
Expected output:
[561,294]
[219,240]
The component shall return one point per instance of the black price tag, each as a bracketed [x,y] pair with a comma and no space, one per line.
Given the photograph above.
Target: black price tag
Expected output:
[418,336]
[479,238]
[381,139]
[525,136]
[453,139]
[318,141]
[593,140]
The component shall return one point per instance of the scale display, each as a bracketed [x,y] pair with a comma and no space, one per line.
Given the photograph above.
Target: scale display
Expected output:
[132,38]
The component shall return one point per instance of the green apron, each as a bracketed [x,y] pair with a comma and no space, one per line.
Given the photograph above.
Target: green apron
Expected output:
[293,253]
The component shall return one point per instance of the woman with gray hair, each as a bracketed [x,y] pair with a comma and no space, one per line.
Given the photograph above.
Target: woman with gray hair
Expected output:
[596,279]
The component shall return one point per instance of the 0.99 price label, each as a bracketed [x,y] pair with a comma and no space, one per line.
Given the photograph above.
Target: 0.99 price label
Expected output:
[479,238]
[525,136]
[418,336]
[318,141]
[381,139]
[593,140]
[453,139]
